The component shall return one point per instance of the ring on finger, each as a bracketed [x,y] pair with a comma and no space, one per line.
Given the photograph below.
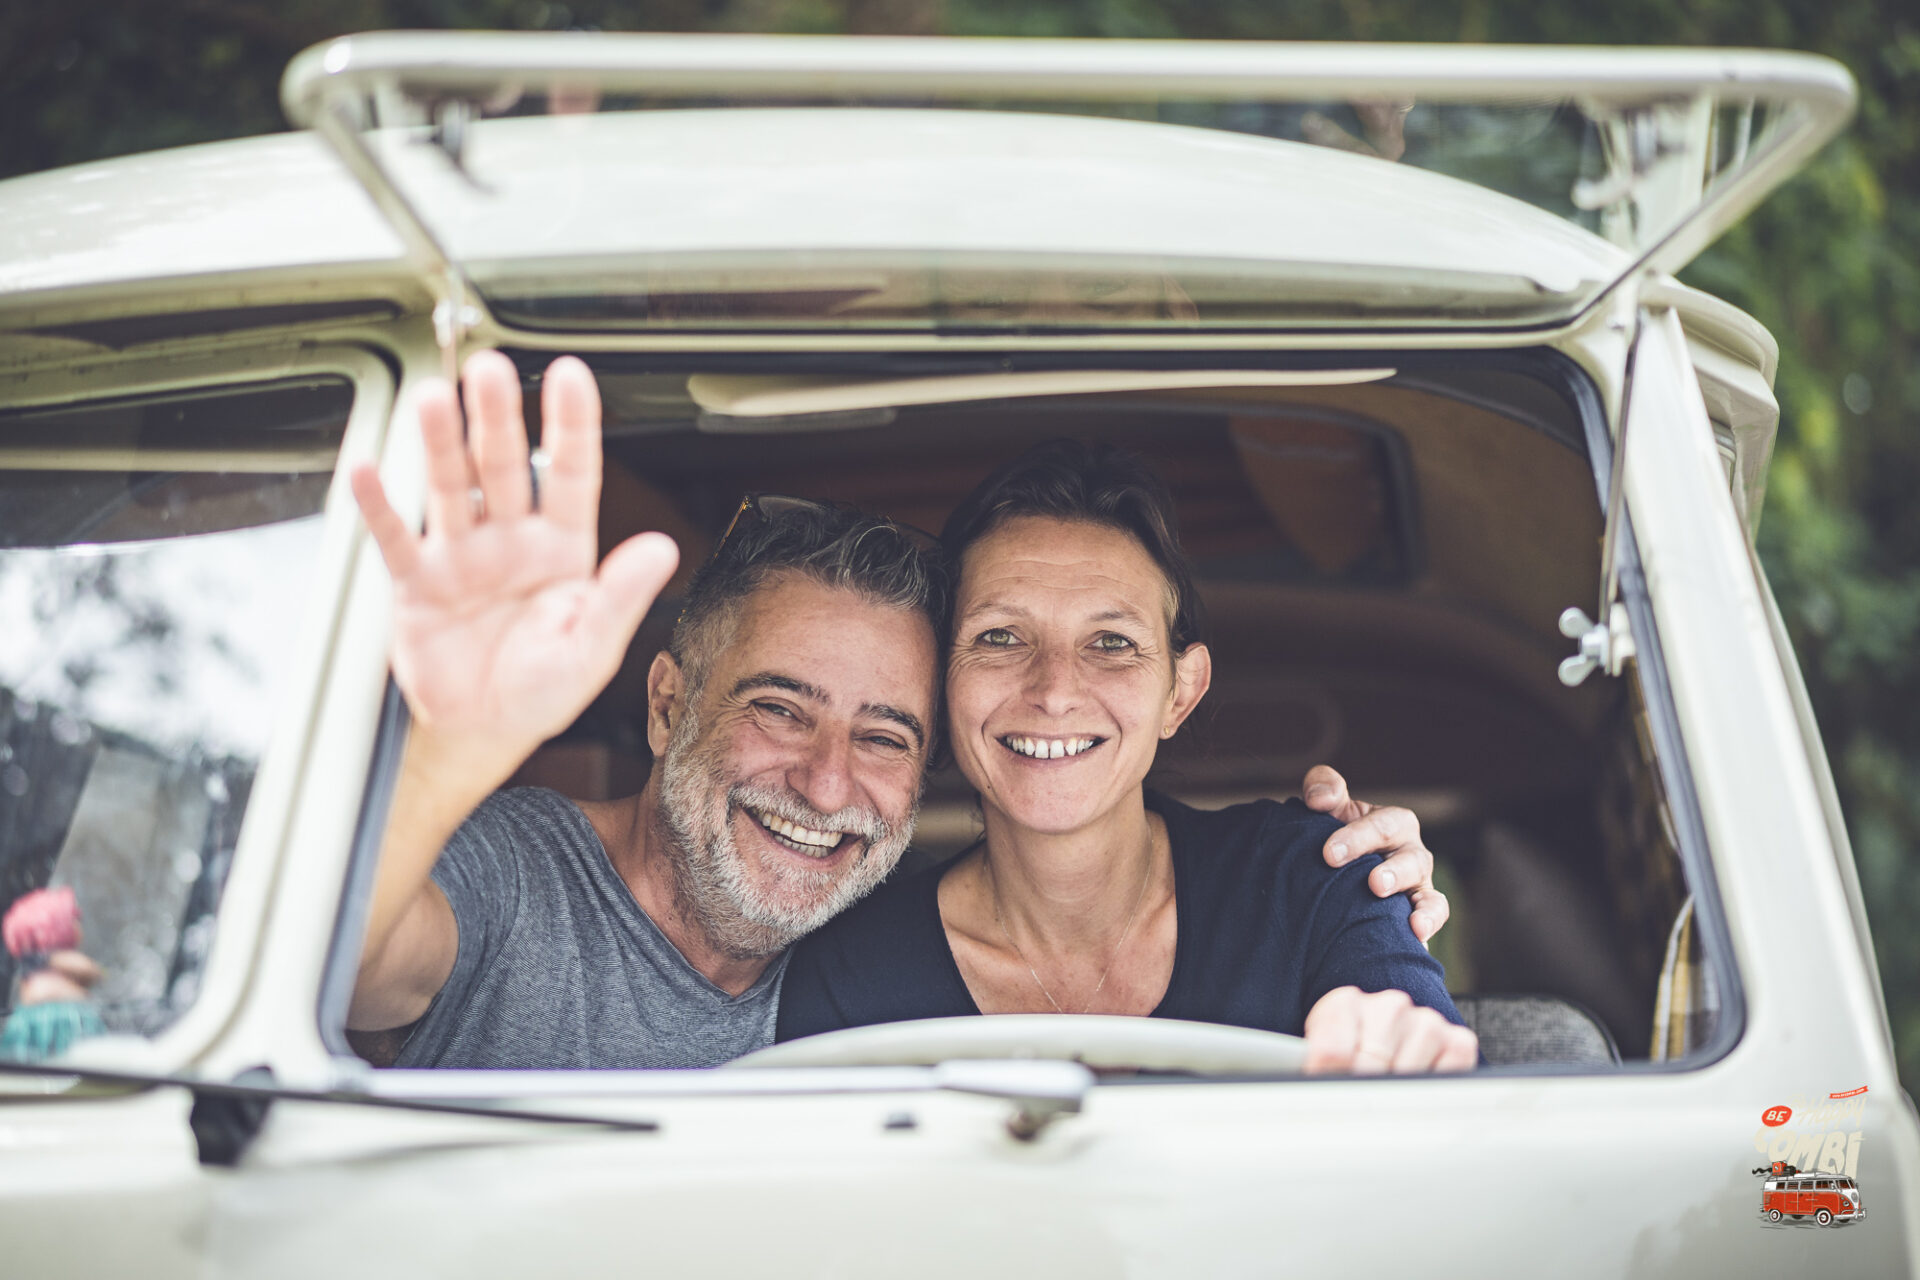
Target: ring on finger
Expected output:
[1370,1060]
[537,463]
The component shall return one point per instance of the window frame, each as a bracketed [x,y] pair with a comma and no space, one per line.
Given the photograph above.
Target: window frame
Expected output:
[241,919]
[1554,368]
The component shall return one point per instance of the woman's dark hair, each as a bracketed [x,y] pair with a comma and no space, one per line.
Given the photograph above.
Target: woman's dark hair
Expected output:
[1095,483]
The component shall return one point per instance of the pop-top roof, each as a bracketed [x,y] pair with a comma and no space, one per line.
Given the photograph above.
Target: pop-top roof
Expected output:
[615,182]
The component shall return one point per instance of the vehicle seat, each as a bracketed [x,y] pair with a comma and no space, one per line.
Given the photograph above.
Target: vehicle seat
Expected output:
[1519,1029]
[1687,1005]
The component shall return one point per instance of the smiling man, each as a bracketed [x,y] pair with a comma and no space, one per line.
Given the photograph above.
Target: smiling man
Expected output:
[791,719]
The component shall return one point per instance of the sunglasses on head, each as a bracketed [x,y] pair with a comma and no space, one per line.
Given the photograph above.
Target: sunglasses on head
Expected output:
[769,507]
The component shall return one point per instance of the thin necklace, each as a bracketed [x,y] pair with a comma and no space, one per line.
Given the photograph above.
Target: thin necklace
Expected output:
[1118,947]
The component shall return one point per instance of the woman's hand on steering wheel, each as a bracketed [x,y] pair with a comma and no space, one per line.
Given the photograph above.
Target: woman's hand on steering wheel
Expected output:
[1383,1032]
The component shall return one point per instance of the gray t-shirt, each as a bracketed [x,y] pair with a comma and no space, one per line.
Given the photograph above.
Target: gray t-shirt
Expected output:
[559,967]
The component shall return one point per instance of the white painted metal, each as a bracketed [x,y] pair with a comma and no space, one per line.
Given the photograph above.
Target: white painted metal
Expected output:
[354,67]
[752,184]
[247,206]
[1680,201]
[1806,1023]
[278,1026]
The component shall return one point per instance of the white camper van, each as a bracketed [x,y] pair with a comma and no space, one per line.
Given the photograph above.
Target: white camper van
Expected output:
[1469,480]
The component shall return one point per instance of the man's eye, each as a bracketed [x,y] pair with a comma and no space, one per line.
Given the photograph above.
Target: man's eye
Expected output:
[887,743]
[1112,642]
[998,637]
[774,708]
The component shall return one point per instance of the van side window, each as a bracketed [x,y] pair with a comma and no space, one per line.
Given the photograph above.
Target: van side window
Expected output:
[153,552]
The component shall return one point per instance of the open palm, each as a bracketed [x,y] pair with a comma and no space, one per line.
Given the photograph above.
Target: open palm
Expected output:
[505,626]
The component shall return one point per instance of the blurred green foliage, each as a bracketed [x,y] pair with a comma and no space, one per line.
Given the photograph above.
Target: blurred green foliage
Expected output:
[1831,265]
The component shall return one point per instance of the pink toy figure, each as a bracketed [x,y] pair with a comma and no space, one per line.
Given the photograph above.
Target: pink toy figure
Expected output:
[42,933]
[42,921]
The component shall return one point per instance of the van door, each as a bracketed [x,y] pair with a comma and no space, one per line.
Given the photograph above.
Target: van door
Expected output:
[174,533]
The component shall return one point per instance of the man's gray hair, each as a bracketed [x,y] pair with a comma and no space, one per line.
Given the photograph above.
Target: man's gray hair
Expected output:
[831,544]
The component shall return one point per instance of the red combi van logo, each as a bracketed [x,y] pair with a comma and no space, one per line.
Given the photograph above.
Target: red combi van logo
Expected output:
[1827,1198]
[1774,1117]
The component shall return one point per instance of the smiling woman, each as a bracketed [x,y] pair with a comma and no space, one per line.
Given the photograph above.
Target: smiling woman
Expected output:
[1076,650]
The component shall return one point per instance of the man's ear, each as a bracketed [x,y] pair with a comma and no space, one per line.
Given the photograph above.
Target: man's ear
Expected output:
[666,700]
[1192,677]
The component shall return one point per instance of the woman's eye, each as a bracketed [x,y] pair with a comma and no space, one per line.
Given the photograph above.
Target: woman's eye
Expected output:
[1112,643]
[998,637]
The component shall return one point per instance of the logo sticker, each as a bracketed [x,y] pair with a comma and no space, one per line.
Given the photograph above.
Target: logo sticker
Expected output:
[1812,1153]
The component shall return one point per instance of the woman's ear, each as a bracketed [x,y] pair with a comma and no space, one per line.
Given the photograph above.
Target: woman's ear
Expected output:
[1192,677]
[666,700]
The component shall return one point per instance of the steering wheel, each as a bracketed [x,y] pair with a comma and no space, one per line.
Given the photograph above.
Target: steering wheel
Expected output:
[1104,1043]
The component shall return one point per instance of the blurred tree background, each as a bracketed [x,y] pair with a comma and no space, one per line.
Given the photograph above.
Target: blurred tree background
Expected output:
[1831,265]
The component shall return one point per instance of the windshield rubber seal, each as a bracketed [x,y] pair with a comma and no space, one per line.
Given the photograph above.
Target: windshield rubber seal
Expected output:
[1670,757]
[363,861]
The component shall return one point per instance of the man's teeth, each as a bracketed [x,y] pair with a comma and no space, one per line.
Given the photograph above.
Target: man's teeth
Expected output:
[795,832]
[1049,748]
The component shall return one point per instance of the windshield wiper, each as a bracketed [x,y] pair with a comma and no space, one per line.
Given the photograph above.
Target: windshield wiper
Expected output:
[227,1114]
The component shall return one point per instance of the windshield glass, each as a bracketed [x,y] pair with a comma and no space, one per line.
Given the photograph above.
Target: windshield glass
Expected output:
[1379,558]
[154,559]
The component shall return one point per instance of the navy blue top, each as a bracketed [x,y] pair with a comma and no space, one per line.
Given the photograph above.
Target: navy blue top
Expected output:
[1265,928]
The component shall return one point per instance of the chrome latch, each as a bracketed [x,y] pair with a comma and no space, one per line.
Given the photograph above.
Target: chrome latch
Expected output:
[1601,648]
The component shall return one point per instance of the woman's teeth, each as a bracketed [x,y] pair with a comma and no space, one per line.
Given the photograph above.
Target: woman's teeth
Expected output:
[808,839]
[1048,748]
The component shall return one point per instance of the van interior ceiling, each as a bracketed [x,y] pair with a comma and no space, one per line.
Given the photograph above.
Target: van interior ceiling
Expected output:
[1383,559]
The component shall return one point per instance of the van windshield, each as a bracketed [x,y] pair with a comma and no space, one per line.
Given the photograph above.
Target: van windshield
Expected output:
[1334,531]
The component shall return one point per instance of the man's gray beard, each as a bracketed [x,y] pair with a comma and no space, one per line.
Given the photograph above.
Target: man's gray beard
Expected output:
[697,807]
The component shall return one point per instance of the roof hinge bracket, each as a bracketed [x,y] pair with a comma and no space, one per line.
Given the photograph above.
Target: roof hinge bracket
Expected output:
[456,313]
[453,319]
[1656,167]
[452,118]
